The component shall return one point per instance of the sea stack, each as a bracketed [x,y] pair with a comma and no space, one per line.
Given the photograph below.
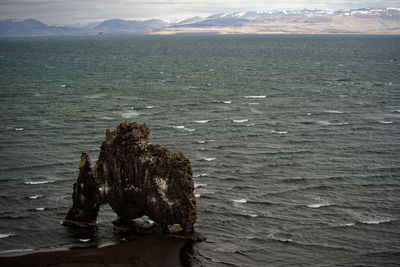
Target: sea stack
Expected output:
[136,177]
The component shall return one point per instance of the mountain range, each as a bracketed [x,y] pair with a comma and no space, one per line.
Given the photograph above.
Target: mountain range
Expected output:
[304,21]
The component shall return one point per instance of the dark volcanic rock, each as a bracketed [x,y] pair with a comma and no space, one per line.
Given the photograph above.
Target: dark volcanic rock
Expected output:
[136,178]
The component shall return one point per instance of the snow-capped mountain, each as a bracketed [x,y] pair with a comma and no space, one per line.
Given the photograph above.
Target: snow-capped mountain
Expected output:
[299,21]
[366,20]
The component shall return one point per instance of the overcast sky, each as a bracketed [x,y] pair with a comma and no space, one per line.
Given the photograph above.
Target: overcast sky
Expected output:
[82,11]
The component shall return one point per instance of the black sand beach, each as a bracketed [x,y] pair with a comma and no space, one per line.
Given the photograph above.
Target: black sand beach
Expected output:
[146,251]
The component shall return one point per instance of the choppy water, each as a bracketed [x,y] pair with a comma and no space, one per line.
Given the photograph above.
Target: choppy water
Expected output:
[294,140]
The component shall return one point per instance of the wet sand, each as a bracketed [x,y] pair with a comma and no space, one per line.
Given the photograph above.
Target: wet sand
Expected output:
[146,251]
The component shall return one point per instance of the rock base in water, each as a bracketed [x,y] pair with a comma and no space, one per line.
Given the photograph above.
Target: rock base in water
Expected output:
[136,178]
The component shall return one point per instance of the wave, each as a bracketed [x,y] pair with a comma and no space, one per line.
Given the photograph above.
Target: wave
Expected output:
[179,127]
[19,129]
[385,122]
[38,182]
[197,195]
[15,250]
[255,96]
[200,175]
[240,121]
[318,205]
[84,240]
[129,114]
[95,96]
[242,200]
[149,107]
[209,159]
[189,129]
[6,235]
[329,123]
[334,111]
[367,218]
[279,132]
[227,102]
[106,118]
[344,225]
[35,196]
[39,209]
[202,121]
[199,185]
[201,142]
[377,220]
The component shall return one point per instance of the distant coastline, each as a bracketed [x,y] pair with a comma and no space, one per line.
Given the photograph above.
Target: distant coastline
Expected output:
[304,21]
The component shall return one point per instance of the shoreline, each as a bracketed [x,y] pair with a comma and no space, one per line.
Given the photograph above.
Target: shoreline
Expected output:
[154,250]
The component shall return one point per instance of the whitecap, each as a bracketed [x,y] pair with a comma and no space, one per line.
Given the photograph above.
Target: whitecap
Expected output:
[209,159]
[129,114]
[202,121]
[179,127]
[227,102]
[107,118]
[334,111]
[318,205]
[385,122]
[37,182]
[149,107]
[308,114]
[279,132]
[376,220]
[240,121]
[199,185]
[254,103]
[255,96]
[251,124]
[328,123]
[197,195]
[200,175]
[19,129]
[242,200]
[96,96]
[40,209]
[6,235]
[63,85]
[35,196]
[84,240]
[189,129]
[201,142]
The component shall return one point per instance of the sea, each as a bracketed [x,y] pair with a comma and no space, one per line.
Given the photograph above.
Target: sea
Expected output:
[294,140]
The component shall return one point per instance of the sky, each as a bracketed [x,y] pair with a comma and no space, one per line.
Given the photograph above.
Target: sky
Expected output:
[72,12]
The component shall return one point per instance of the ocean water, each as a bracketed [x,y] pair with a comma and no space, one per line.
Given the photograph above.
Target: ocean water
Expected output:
[294,140]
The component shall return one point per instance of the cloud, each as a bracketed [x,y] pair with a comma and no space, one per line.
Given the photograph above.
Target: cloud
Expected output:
[72,11]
